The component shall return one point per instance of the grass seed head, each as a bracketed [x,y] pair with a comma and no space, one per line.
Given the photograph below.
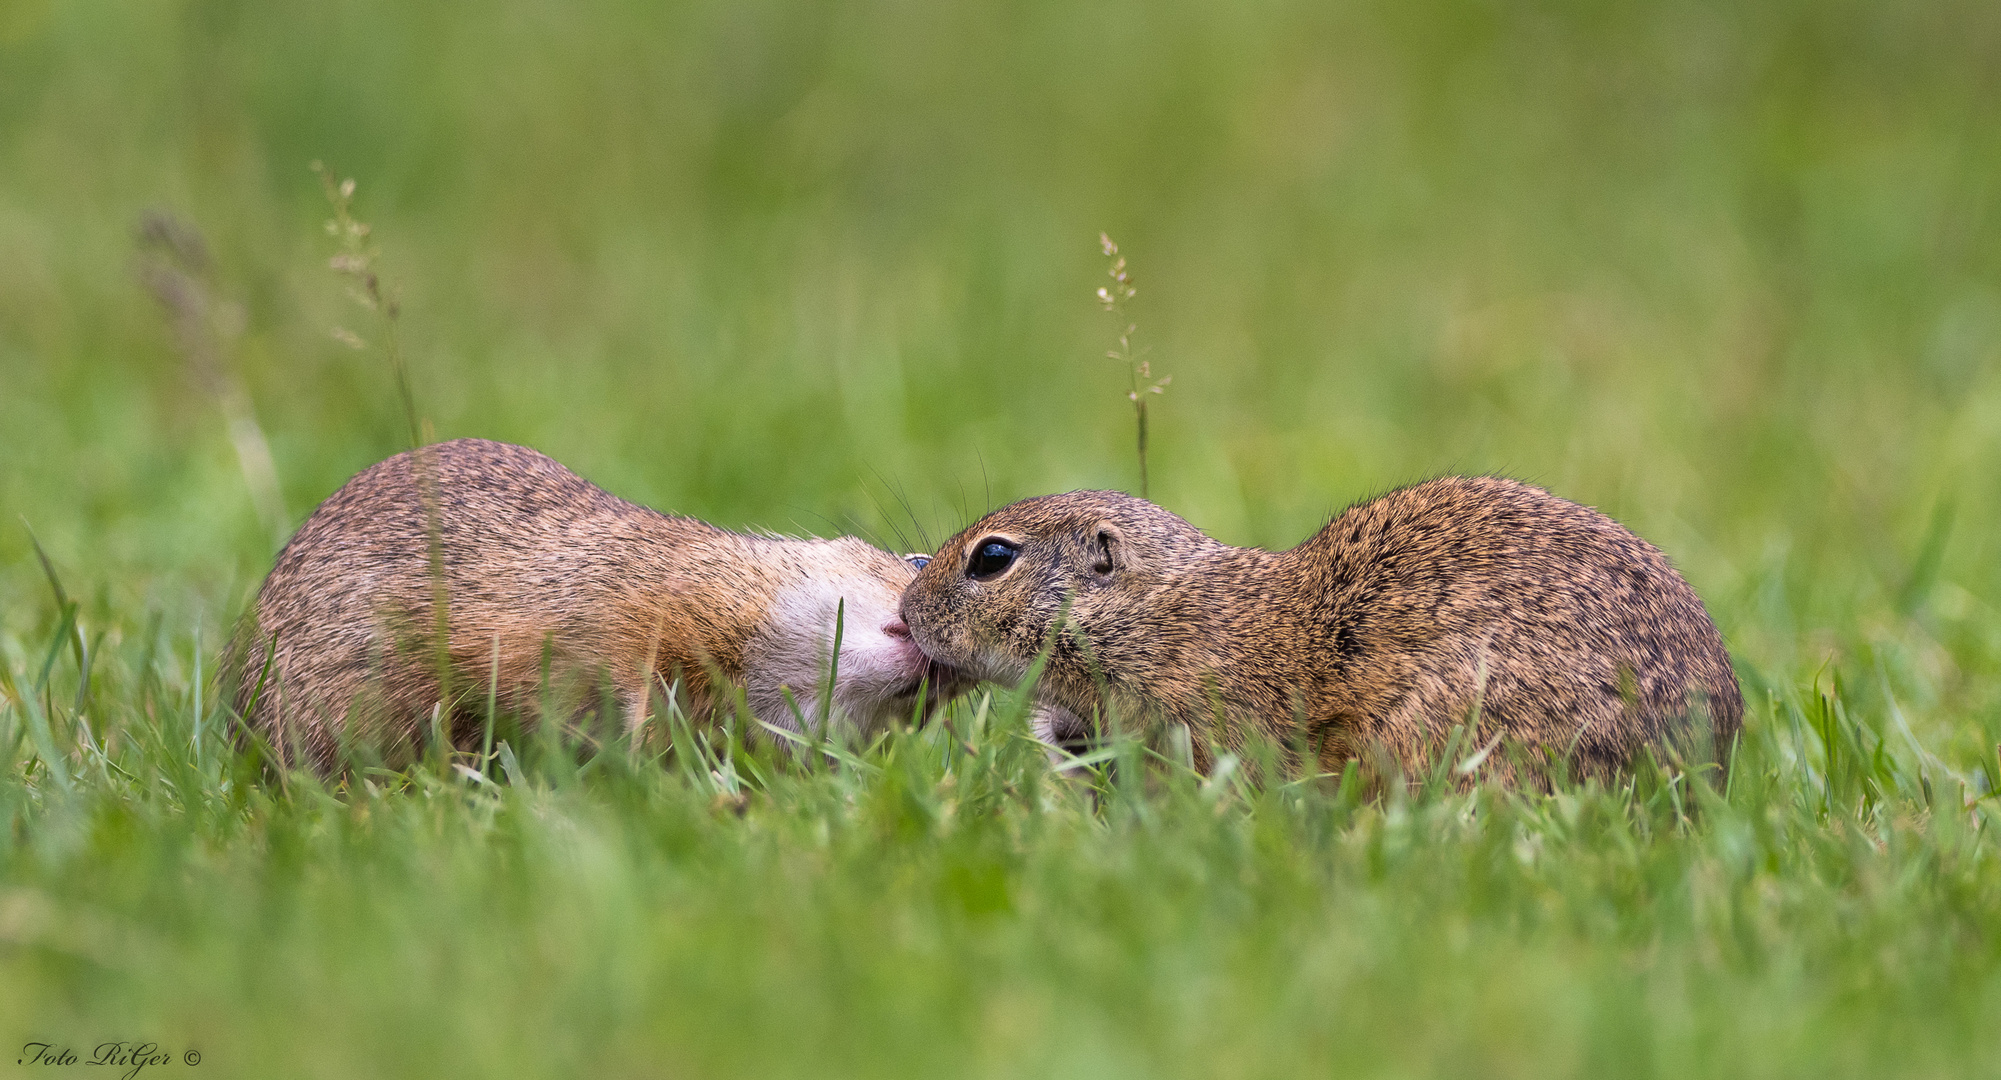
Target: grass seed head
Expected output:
[1139,373]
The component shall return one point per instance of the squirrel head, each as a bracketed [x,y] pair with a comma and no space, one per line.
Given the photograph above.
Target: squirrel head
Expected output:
[1077,575]
[844,591]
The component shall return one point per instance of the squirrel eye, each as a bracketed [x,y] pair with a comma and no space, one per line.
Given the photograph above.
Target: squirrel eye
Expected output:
[993,556]
[918,561]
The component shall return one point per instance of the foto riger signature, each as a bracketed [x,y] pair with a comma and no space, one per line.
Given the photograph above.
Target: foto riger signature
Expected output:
[130,1056]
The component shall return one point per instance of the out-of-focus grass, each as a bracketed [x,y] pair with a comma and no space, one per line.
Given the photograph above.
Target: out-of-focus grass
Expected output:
[939,904]
[1730,271]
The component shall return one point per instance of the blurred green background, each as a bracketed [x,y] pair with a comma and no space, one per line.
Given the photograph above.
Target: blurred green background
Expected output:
[1730,271]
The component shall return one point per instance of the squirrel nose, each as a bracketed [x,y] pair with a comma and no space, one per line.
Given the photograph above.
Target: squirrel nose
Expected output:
[896,628]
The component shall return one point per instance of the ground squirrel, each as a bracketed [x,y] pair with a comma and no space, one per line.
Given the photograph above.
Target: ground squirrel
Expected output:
[1547,624]
[544,574]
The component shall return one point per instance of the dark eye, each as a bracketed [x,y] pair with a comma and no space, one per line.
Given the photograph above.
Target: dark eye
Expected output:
[993,556]
[918,561]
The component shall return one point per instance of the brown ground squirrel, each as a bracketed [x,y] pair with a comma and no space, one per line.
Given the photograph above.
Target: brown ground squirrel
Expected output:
[1389,627]
[536,561]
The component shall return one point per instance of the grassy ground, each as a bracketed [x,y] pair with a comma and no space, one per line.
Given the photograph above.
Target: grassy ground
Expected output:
[1731,272]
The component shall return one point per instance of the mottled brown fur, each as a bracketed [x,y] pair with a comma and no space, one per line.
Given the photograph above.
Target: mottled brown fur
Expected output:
[538,567]
[1384,629]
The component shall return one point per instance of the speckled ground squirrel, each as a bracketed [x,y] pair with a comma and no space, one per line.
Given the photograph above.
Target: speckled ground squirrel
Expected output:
[538,563]
[1546,624]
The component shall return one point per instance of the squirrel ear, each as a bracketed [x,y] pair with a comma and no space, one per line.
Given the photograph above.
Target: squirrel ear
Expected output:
[1106,555]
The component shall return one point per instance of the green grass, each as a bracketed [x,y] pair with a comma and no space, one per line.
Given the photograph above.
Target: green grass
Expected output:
[1731,272]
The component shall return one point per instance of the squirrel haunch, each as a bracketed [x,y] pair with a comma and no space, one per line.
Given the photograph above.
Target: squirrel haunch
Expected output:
[1546,624]
[550,586]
